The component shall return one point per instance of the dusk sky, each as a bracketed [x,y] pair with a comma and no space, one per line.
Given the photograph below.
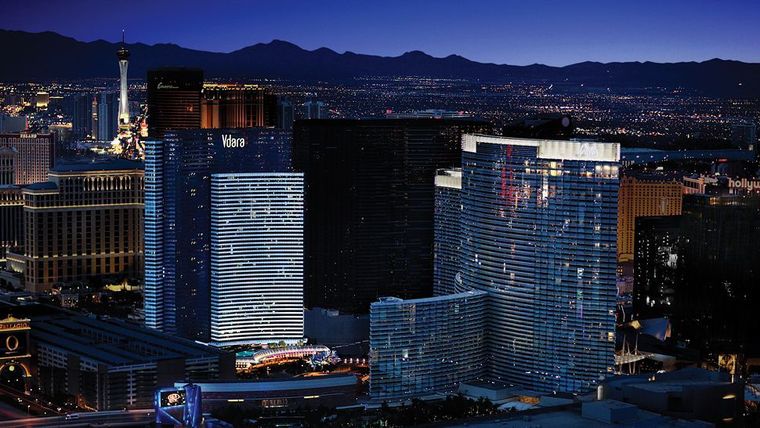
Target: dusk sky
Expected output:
[512,32]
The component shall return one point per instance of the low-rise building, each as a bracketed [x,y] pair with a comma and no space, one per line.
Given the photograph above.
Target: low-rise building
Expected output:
[689,393]
[108,364]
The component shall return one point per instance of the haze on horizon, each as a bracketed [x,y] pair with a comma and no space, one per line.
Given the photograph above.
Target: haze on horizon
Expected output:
[505,32]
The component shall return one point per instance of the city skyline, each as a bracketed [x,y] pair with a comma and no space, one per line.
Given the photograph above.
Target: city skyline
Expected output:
[367,222]
[494,32]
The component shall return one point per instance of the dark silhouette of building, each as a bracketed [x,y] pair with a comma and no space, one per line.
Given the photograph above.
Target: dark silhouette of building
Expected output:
[7,165]
[658,248]
[370,205]
[11,218]
[79,107]
[174,100]
[237,106]
[285,113]
[108,115]
[552,126]
[703,271]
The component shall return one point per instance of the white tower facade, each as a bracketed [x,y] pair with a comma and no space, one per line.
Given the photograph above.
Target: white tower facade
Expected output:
[256,258]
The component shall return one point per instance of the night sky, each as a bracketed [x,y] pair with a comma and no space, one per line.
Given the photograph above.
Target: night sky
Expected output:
[512,32]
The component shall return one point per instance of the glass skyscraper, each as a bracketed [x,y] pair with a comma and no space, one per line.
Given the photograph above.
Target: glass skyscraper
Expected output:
[422,346]
[256,257]
[447,236]
[369,199]
[178,213]
[539,235]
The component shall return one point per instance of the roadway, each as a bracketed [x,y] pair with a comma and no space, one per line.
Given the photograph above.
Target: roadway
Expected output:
[26,404]
[128,418]
[8,411]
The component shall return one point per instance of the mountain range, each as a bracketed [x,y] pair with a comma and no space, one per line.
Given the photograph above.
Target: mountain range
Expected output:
[51,56]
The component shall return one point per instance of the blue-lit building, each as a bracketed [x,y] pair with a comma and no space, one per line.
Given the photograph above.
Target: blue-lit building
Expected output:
[424,346]
[256,257]
[178,217]
[446,245]
[539,220]
[108,115]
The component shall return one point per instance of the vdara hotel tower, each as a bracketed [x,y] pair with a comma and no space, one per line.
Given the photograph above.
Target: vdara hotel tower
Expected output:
[256,257]
[223,236]
[538,229]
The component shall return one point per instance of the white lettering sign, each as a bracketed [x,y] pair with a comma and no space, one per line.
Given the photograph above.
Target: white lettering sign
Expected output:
[744,184]
[229,141]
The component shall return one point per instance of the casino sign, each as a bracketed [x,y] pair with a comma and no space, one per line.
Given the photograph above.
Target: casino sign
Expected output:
[14,352]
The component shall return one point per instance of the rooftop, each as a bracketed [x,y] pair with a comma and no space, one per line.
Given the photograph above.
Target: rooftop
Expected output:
[97,165]
[43,185]
[550,149]
[396,300]
[112,342]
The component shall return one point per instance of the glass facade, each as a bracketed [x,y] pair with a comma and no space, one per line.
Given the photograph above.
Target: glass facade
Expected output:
[256,258]
[446,242]
[422,346]
[370,199]
[178,217]
[539,235]
[700,271]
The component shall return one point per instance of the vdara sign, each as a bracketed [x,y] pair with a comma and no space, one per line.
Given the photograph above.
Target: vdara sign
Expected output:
[230,141]
[744,184]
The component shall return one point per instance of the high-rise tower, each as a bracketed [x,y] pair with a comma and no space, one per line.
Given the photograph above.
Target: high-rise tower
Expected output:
[369,199]
[223,236]
[123,55]
[539,229]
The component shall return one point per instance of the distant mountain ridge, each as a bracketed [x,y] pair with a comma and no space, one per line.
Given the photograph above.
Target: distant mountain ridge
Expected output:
[49,56]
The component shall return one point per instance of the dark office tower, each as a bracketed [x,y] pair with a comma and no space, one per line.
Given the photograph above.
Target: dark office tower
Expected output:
[369,205]
[447,247]
[716,304]
[108,115]
[657,269]
[174,100]
[539,235]
[7,168]
[185,177]
[313,109]
[237,106]
[744,135]
[12,123]
[11,219]
[550,126]
[285,113]
[35,154]
[85,222]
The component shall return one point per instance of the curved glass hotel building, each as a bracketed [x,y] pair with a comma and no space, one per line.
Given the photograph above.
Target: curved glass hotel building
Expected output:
[446,242]
[422,346]
[539,234]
